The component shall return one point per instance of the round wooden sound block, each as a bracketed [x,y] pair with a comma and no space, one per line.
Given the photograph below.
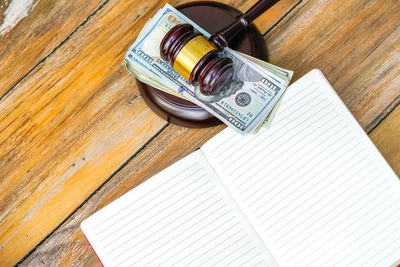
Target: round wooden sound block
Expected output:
[212,17]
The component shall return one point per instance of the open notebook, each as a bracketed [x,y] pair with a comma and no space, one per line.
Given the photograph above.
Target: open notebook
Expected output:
[312,190]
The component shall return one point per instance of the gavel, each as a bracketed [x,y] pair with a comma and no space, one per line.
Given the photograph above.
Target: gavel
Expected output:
[197,59]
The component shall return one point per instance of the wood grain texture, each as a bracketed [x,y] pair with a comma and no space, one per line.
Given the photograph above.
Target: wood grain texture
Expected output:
[272,16]
[387,139]
[36,35]
[67,127]
[376,70]
[354,43]
[67,245]
[77,117]
[71,123]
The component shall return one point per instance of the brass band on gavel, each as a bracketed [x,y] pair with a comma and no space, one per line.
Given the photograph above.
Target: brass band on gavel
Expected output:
[196,58]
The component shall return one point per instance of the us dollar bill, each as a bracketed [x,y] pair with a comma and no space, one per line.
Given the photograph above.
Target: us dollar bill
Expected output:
[243,104]
[143,77]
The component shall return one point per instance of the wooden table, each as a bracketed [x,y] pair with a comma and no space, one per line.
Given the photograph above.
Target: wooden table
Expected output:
[75,133]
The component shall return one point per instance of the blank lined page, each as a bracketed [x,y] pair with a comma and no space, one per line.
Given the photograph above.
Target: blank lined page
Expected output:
[314,186]
[181,216]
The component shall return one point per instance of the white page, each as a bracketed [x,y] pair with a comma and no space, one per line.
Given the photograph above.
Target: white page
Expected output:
[314,186]
[181,216]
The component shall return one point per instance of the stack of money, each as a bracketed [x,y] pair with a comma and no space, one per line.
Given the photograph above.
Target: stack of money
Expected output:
[249,100]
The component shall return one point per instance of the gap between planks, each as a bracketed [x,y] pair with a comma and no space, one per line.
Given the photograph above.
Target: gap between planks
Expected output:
[372,125]
[282,18]
[394,104]
[95,191]
[53,50]
[384,114]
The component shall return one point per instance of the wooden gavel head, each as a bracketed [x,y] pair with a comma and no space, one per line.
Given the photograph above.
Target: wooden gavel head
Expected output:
[196,59]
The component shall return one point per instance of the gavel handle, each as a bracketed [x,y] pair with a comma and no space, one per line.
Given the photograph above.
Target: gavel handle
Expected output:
[223,37]
[259,8]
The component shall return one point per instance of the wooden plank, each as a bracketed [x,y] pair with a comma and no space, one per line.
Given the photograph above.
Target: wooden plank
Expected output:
[341,39]
[67,245]
[68,125]
[387,139]
[37,33]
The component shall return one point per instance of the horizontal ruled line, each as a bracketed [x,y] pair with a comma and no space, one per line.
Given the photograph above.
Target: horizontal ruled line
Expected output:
[176,201]
[159,186]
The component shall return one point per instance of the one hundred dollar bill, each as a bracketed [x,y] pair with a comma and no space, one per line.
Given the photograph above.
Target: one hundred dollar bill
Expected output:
[243,105]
